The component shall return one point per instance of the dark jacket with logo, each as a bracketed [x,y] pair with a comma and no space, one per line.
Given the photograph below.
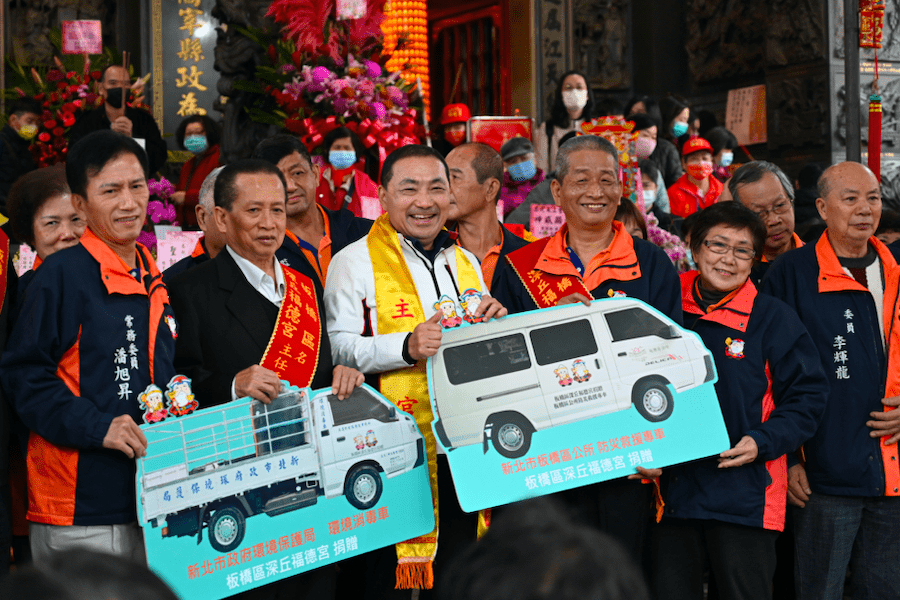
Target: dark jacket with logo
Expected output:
[69,371]
[770,387]
[842,459]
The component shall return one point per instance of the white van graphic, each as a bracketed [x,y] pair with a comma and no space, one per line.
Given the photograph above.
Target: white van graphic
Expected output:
[503,380]
[274,459]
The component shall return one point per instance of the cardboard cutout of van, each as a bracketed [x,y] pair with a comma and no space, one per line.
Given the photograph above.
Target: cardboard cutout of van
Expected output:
[562,397]
[243,494]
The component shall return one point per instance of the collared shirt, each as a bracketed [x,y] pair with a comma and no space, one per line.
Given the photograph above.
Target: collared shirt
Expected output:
[273,291]
[796,242]
[319,258]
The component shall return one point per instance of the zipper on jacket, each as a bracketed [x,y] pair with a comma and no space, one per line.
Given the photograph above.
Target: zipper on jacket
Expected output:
[429,266]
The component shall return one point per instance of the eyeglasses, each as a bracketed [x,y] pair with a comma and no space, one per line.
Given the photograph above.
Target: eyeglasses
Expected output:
[779,209]
[720,248]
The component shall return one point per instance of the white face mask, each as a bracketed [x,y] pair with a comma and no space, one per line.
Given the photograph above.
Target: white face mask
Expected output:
[575,99]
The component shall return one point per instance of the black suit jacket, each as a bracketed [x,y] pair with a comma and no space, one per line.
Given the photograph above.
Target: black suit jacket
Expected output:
[224,327]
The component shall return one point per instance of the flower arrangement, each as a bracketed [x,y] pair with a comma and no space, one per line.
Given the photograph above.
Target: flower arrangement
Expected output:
[160,211]
[65,90]
[325,73]
[671,244]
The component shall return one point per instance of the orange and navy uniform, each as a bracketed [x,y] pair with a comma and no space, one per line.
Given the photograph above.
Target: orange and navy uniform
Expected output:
[770,386]
[629,266]
[685,199]
[342,228]
[199,255]
[761,266]
[89,339]
[842,459]
[509,242]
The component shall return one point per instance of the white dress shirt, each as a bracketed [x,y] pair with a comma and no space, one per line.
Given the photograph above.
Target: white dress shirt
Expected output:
[273,291]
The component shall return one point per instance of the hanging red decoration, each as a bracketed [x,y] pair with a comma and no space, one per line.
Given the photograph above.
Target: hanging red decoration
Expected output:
[871,23]
[875,135]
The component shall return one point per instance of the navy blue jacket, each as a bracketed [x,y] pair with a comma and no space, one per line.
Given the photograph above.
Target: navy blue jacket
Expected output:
[771,387]
[70,372]
[840,315]
[635,268]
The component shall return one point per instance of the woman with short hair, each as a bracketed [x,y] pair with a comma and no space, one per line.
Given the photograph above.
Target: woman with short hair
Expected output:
[725,512]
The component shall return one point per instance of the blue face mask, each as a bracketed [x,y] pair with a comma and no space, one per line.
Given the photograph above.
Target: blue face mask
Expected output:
[522,171]
[196,143]
[727,158]
[341,159]
[679,128]
[649,198]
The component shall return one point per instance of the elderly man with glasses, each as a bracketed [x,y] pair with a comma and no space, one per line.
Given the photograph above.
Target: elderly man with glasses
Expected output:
[764,188]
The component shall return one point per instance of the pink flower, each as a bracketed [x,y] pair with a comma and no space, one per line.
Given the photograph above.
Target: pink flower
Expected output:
[365,88]
[288,68]
[336,85]
[373,69]
[377,111]
[341,105]
[321,74]
[162,188]
[395,95]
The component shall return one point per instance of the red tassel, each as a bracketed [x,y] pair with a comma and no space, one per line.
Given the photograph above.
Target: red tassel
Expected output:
[875,135]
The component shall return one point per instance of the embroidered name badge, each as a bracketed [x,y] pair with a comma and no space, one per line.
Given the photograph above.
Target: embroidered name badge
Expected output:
[734,348]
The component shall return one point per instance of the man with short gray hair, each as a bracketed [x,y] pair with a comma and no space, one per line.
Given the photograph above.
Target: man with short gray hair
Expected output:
[764,188]
[212,241]
[593,256]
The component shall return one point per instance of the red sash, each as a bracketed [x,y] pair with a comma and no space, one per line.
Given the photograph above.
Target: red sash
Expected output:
[293,350]
[545,289]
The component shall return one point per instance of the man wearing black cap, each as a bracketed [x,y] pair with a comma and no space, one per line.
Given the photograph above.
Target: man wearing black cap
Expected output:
[520,173]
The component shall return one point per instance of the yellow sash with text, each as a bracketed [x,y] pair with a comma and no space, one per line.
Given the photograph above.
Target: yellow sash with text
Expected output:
[400,310]
[293,350]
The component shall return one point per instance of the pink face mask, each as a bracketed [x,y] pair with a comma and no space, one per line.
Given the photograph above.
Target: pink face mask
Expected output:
[644,147]
[700,170]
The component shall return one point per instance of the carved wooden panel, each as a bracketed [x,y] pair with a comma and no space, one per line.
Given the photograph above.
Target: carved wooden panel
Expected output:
[725,39]
[795,32]
[798,108]
[601,32]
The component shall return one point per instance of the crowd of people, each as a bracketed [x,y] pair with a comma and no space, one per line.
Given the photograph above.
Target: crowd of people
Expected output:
[803,334]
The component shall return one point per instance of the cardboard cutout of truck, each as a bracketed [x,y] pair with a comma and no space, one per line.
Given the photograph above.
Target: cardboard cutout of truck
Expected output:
[243,494]
[567,396]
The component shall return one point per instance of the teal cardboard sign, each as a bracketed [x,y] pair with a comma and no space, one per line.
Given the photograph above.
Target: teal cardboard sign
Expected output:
[567,396]
[244,494]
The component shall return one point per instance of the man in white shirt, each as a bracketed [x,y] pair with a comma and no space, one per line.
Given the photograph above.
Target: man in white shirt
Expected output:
[249,323]
[388,296]
[233,306]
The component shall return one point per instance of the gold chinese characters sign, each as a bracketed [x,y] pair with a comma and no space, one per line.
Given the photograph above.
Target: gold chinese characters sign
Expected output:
[184,81]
